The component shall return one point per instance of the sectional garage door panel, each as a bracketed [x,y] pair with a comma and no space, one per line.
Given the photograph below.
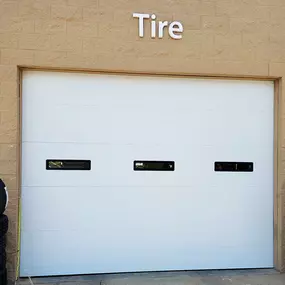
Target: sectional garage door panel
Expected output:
[117,161]
[146,238]
[120,109]
[114,219]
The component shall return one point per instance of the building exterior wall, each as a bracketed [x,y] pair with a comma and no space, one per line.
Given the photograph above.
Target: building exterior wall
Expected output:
[237,38]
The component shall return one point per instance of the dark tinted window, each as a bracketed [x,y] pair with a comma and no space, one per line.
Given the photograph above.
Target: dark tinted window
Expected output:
[146,165]
[233,166]
[68,164]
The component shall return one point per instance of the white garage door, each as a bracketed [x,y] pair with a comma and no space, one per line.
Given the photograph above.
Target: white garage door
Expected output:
[155,197]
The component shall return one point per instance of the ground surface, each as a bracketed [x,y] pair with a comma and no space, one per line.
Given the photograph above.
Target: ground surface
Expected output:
[223,277]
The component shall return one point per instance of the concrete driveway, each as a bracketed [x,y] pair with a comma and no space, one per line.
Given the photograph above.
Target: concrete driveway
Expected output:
[217,277]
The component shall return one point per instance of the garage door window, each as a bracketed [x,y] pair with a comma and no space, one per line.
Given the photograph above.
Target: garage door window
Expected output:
[144,165]
[59,164]
[234,166]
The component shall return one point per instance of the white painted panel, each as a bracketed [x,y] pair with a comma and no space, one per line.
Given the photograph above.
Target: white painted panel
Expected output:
[163,230]
[115,219]
[127,110]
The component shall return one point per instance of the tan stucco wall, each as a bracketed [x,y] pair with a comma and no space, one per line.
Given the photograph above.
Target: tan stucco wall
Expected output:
[221,37]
